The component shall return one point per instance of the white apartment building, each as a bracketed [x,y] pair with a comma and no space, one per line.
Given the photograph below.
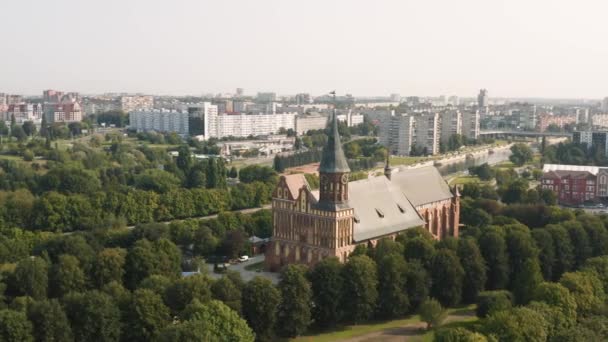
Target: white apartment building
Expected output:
[160,121]
[428,131]
[401,134]
[23,112]
[244,125]
[305,123]
[600,120]
[350,118]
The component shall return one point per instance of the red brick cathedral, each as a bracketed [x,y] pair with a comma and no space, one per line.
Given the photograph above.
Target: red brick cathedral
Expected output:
[311,225]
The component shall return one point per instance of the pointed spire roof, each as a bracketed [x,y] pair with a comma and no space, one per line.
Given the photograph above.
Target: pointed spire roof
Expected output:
[333,159]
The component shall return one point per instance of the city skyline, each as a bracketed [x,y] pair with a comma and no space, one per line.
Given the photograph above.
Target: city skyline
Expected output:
[545,49]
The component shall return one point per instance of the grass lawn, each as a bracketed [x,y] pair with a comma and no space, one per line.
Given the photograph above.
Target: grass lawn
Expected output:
[407,160]
[10,157]
[363,329]
[258,266]
[429,336]
[357,330]
[466,180]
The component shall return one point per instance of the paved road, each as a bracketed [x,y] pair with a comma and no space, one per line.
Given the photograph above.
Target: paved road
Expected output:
[245,274]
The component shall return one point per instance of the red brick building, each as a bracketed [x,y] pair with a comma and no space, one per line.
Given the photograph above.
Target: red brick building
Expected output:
[311,225]
[571,187]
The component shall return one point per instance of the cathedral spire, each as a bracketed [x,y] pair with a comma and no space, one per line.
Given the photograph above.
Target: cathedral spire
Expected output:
[333,159]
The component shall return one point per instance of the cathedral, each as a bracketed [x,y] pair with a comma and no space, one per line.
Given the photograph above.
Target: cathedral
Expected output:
[309,225]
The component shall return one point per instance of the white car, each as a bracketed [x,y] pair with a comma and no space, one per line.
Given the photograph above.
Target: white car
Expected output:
[244,258]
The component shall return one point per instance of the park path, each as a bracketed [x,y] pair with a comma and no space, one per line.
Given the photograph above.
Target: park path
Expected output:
[408,332]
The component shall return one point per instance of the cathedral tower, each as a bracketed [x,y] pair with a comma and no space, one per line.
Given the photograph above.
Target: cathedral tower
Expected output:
[333,172]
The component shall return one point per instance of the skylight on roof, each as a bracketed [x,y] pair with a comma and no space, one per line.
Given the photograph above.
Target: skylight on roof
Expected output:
[400,208]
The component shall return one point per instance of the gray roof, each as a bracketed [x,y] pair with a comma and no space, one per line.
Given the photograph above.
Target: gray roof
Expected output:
[422,185]
[381,208]
[333,159]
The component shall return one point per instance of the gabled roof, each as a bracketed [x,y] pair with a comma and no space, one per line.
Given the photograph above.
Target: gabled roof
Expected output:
[568,173]
[333,159]
[381,208]
[422,185]
[294,183]
[563,167]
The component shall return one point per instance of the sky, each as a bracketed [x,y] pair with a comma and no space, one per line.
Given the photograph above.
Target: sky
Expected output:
[514,48]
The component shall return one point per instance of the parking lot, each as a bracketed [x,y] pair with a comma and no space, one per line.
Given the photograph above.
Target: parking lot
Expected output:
[246,274]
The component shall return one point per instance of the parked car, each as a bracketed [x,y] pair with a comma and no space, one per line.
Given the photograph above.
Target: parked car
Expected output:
[244,258]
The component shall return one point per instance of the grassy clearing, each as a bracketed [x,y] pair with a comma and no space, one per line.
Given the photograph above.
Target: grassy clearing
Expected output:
[357,330]
[465,180]
[363,329]
[10,157]
[408,160]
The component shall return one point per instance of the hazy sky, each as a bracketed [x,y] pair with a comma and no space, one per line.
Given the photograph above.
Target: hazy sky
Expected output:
[527,48]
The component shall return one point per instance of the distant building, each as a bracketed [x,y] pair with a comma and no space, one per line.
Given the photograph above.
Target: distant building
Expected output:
[52,96]
[24,112]
[604,104]
[470,124]
[303,98]
[309,122]
[428,132]
[244,125]
[395,98]
[351,119]
[599,121]
[266,97]
[482,99]
[571,187]
[136,103]
[160,121]
[545,120]
[454,100]
[451,124]
[65,111]
[240,92]
[597,139]
[398,134]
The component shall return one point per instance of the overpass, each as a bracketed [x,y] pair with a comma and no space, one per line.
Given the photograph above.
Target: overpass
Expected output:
[529,134]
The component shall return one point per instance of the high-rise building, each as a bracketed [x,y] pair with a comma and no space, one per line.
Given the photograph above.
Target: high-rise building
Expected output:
[240,92]
[395,98]
[24,112]
[160,121]
[308,122]
[51,95]
[482,99]
[454,100]
[451,124]
[470,124]
[428,132]
[68,110]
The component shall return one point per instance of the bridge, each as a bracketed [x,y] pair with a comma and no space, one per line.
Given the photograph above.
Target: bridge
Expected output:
[530,134]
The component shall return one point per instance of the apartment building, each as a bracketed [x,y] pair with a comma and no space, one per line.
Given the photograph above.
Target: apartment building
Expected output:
[470,124]
[599,120]
[160,121]
[65,111]
[23,112]
[547,119]
[451,123]
[575,184]
[244,125]
[308,122]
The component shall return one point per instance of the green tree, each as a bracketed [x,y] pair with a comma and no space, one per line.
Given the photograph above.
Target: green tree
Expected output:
[447,277]
[599,265]
[521,248]
[31,277]
[233,172]
[392,291]
[93,315]
[419,248]
[587,290]
[146,316]
[29,128]
[212,321]
[67,276]
[15,327]
[260,303]
[225,290]
[458,335]
[517,325]
[546,256]
[564,253]
[559,297]
[526,281]
[432,313]
[109,266]
[184,158]
[418,283]
[185,290]
[49,321]
[489,302]
[17,132]
[293,316]
[520,154]
[580,243]
[326,284]
[474,269]
[360,288]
